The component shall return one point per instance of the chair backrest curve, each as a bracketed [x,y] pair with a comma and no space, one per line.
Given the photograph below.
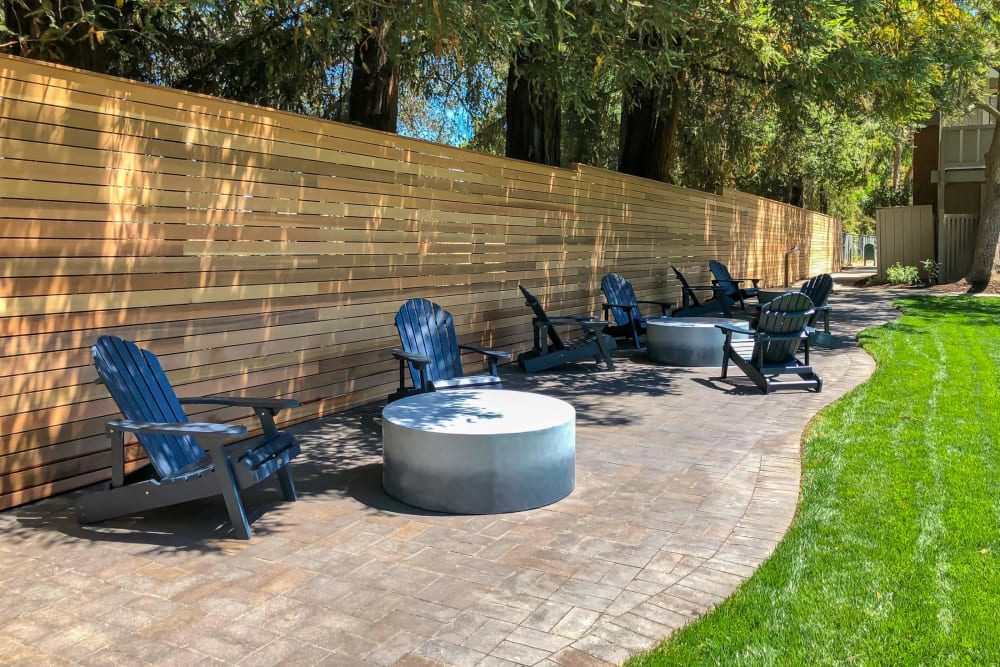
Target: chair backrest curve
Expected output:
[787,314]
[618,290]
[426,328]
[721,273]
[143,393]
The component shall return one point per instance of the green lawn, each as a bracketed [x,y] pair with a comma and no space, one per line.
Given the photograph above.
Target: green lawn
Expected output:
[894,555]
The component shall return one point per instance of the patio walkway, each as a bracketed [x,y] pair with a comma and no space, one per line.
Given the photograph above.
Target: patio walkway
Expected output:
[685,484]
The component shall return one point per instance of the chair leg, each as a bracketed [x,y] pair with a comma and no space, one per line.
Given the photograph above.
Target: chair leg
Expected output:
[726,304]
[231,494]
[287,485]
[725,355]
[605,353]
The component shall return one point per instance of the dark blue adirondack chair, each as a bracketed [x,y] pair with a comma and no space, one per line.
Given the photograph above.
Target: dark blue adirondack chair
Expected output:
[734,291]
[551,349]
[692,305]
[431,351]
[770,351]
[623,308]
[188,460]
[818,289]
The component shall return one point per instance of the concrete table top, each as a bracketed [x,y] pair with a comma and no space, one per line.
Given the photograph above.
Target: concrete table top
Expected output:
[479,451]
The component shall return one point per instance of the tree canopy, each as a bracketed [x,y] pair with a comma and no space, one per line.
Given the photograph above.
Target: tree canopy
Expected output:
[808,101]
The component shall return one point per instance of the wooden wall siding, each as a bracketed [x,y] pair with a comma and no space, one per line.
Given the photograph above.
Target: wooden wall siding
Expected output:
[904,235]
[263,253]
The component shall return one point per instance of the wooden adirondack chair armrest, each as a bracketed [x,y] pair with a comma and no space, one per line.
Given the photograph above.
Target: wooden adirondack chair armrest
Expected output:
[203,433]
[571,319]
[594,324]
[418,360]
[731,329]
[606,309]
[794,335]
[272,404]
[498,355]
[492,356]
[730,288]
[421,361]
[664,305]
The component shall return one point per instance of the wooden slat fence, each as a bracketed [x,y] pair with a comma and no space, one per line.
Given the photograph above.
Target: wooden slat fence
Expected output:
[263,253]
[956,243]
[906,235]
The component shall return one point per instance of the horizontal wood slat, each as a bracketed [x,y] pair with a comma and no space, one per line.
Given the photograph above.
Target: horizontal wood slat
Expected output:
[263,253]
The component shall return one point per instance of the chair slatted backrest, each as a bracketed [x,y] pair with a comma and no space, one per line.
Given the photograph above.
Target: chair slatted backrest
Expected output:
[619,291]
[536,307]
[426,328]
[722,276]
[685,288]
[787,314]
[143,393]
[818,289]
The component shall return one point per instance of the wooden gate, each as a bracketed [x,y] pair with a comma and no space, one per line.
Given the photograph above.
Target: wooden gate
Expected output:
[956,241]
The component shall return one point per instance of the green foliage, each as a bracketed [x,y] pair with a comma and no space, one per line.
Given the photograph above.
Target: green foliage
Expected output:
[892,556]
[883,195]
[897,274]
[796,101]
[932,270]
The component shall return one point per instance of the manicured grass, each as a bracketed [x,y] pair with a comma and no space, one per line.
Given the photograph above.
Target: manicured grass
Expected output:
[894,555]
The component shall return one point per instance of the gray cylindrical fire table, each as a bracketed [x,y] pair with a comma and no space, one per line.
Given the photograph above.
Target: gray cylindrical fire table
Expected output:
[688,341]
[479,451]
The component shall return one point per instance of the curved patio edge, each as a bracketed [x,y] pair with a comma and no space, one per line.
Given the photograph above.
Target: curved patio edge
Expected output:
[685,485]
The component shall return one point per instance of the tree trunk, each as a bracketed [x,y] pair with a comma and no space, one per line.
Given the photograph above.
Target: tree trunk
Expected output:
[534,118]
[985,259]
[650,117]
[374,98]
[794,192]
[582,131]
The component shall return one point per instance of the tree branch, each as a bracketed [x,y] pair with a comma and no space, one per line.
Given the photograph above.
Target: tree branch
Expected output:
[995,113]
[742,76]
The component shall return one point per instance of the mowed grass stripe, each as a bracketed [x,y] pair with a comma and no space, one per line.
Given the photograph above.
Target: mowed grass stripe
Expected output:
[892,558]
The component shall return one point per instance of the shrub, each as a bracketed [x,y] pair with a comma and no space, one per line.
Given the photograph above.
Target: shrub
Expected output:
[902,275]
[933,271]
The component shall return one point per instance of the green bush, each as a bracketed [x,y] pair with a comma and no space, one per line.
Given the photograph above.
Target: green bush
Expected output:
[933,271]
[902,275]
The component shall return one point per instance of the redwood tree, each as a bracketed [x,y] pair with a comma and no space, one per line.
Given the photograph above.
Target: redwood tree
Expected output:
[986,257]
[374,97]
[650,116]
[534,116]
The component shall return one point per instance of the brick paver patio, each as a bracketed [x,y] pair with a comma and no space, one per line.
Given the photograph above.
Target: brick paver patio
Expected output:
[685,484]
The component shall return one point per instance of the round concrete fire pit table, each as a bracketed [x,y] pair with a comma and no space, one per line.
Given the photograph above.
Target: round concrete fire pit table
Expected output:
[688,341]
[479,451]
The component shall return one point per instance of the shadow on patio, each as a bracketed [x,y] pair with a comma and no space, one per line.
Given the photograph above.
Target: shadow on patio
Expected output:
[685,483]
